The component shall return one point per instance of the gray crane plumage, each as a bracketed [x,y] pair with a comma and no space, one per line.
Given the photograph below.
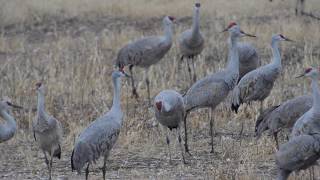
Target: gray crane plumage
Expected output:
[191,41]
[47,130]
[257,84]
[299,153]
[282,116]
[309,122]
[248,58]
[169,111]
[303,148]
[100,136]
[213,89]
[9,127]
[146,52]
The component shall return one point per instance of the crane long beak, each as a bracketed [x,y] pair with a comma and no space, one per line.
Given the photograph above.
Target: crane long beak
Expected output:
[224,30]
[301,75]
[250,35]
[14,106]
[289,40]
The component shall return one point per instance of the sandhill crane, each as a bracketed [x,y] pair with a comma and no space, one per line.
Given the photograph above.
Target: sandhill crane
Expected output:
[214,88]
[169,111]
[47,130]
[191,41]
[308,123]
[298,153]
[146,52]
[257,84]
[99,137]
[282,116]
[303,148]
[7,129]
[248,58]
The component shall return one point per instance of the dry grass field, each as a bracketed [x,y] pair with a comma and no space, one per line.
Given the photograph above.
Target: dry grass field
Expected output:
[70,46]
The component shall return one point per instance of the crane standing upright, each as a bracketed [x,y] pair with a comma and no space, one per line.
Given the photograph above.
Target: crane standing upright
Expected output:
[303,148]
[99,137]
[47,130]
[213,89]
[191,42]
[146,52]
[257,84]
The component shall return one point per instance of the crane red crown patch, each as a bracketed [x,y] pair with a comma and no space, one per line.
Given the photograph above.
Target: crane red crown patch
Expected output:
[231,25]
[307,70]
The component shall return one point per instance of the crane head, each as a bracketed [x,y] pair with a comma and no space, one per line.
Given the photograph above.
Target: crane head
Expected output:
[172,18]
[197,5]
[38,85]
[231,24]
[283,38]
[309,72]
[159,105]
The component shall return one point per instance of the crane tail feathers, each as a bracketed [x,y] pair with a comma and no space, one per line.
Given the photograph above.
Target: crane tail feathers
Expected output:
[235,99]
[72,166]
[262,121]
[57,152]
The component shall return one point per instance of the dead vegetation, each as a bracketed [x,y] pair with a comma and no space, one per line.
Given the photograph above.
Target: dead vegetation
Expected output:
[70,46]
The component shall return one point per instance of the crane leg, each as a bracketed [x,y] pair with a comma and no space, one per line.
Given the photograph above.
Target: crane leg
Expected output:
[104,168]
[134,90]
[50,165]
[87,171]
[261,107]
[194,71]
[186,135]
[211,130]
[189,70]
[168,143]
[275,135]
[146,72]
[46,160]
[181,148]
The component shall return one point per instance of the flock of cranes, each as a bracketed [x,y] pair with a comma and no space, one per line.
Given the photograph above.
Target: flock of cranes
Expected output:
[242,78]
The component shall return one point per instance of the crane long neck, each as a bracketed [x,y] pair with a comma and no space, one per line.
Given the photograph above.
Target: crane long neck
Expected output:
[168,32]
[196,23]
[315,93]
[8,118]
[116,94]
[276,54]
[233,57]
[41,104]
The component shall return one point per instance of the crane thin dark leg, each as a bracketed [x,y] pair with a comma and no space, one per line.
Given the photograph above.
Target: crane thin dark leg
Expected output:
[134,90]
[211,130]
[104,168]
[168,143]
[181,148]
[275,135]
[87,171]
[186,136]
[194,70]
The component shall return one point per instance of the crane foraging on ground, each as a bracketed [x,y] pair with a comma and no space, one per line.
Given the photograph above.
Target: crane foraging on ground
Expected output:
[146,52]
[47,130]
[213,89]
[308,123]
[99,137]
[7,129]
[303,148]
[169,111]
[282,116]
[257,84]
[248,58]
[191,42]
